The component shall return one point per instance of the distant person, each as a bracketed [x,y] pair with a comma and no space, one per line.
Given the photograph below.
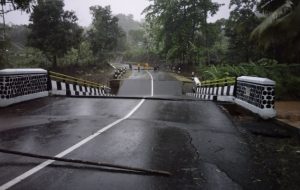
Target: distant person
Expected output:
[146,65]
[139,67]
[130,66]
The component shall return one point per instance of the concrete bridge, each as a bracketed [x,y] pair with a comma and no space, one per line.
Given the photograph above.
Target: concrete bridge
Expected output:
[149,124]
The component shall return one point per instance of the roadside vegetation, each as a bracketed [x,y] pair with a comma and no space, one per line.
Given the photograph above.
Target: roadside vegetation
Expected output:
[260,38]
[286,75]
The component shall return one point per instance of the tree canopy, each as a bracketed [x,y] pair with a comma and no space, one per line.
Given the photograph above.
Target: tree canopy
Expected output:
[177,26]
[53,30]
[24,5]
[239,26]
[280,29]
[105,34]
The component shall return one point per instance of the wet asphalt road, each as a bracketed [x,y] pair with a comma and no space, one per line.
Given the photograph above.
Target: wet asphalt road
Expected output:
[194,140]
[138,85]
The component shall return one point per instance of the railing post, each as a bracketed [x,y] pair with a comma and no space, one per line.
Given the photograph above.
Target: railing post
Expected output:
[257,95]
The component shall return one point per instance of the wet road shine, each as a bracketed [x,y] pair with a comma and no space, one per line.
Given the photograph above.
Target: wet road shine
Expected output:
[194,140]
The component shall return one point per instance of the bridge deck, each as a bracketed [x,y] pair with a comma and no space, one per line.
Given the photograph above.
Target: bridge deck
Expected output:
[195,141]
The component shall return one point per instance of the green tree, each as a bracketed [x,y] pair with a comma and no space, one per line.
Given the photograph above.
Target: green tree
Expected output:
[105,34]
[24,5]
[4,45]
[239,26]
[136,38]
[177,26]
[280,30]
[127,23]
[53,30]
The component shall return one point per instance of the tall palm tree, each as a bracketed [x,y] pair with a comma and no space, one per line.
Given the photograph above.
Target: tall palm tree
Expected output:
[281,26]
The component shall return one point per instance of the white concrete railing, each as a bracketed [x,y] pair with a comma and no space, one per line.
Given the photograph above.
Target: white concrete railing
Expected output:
[253,93]
[60,88]
[222,92]
[65,85]
[257,95]
[18,85]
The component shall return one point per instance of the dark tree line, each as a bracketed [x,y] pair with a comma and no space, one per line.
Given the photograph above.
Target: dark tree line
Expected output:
[175,31]
[55,32]
[179,31]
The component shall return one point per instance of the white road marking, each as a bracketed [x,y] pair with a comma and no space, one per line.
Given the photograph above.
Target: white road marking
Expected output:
[152,91]
[67,151]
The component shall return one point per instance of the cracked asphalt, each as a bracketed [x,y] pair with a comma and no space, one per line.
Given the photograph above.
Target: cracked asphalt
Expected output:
[194,140]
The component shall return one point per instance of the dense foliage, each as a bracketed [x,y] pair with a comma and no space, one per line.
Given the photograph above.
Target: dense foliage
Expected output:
[53,30]
[178,29]
[280,30]
[286,75]
[174,33]
[105,34]
[24,5]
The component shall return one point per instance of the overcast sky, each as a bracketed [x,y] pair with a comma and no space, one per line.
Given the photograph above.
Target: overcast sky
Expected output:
[81,7]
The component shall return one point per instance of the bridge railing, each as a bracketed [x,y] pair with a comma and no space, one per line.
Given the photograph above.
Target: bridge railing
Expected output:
[219,89]
[253,93]
[257,95]
[66,85]
[67,78]
[18,85]
[219,82]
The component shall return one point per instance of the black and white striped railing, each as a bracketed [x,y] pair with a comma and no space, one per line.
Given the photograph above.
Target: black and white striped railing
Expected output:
[19,85]
[64,85]
[213,92]
[66,89]
[216,90]
[253,93]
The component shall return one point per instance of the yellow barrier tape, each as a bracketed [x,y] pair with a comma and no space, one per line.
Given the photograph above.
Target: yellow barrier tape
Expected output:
[228,80]
[73,81]
[70,77]
[63,77]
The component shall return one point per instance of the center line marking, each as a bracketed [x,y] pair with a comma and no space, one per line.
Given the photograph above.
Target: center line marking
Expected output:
[67,151]
[151,83]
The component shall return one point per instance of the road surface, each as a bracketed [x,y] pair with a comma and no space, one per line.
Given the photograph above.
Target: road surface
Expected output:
[194,140]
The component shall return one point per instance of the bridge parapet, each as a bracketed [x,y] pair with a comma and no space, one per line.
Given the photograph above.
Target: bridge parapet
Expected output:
[65,85]
[217,90]
[253,93]
[18,85]
[256,94]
